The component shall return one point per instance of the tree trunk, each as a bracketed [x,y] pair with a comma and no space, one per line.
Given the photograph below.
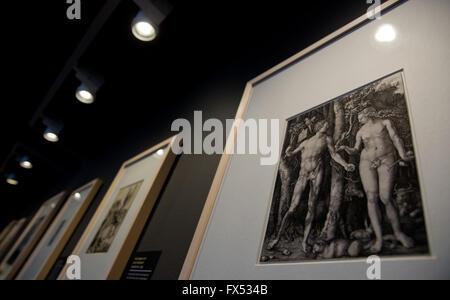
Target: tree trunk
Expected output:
[285,177]
[337,180]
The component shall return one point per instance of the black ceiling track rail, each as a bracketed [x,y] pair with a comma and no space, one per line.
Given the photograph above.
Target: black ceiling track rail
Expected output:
[94,29]
[98,23]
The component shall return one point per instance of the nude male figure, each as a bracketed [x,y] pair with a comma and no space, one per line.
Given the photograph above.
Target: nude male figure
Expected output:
[285,171]
[378,170]
[311,171]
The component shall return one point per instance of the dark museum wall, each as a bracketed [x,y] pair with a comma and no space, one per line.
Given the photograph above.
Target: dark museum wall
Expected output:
[226,68]
[174,220]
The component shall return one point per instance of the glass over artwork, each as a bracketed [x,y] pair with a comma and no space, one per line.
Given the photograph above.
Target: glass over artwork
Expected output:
[114,219]
[25,240]
[347,183]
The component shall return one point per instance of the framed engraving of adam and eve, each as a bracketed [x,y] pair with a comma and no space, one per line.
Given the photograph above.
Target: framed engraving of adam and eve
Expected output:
[347,183]
[363,174]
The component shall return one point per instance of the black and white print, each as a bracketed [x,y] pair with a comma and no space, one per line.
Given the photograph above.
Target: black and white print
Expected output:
[113,221]
[347,183]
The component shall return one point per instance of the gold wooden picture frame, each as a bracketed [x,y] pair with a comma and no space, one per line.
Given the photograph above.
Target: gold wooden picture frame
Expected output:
[143,194]
[13,231]
[206,215]
[6,230]
[44,256]
[29,238]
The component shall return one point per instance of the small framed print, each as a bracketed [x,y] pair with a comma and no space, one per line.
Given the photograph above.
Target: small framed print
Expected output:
[21,250]
[113,232]
[9,238]
[6,230]
[52,244]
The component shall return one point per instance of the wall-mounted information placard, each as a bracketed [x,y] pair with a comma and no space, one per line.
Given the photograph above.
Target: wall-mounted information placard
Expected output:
[142,266]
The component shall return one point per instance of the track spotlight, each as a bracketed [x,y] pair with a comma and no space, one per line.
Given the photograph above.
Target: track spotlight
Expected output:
[12,179]
[51,136]
[25,163]
[84,95]
[90,84]
[145,26]
[52,131]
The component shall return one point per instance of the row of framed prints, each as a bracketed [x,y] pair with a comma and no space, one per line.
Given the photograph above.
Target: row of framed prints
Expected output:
[362,171]
[110,238]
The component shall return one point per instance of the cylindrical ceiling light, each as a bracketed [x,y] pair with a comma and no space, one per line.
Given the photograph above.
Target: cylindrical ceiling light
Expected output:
[11,179]
[51,136]
[52,131]
[25,163]
[143,28]
[84,95]
[90,84]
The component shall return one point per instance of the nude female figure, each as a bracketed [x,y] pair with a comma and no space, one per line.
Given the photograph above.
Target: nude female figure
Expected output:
[311,171]
[378,170]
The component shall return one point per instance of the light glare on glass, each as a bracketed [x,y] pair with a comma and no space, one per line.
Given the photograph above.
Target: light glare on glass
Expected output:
[386,33]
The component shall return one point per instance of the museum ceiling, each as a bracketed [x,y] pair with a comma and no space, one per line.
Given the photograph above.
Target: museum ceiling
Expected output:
[142,80]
